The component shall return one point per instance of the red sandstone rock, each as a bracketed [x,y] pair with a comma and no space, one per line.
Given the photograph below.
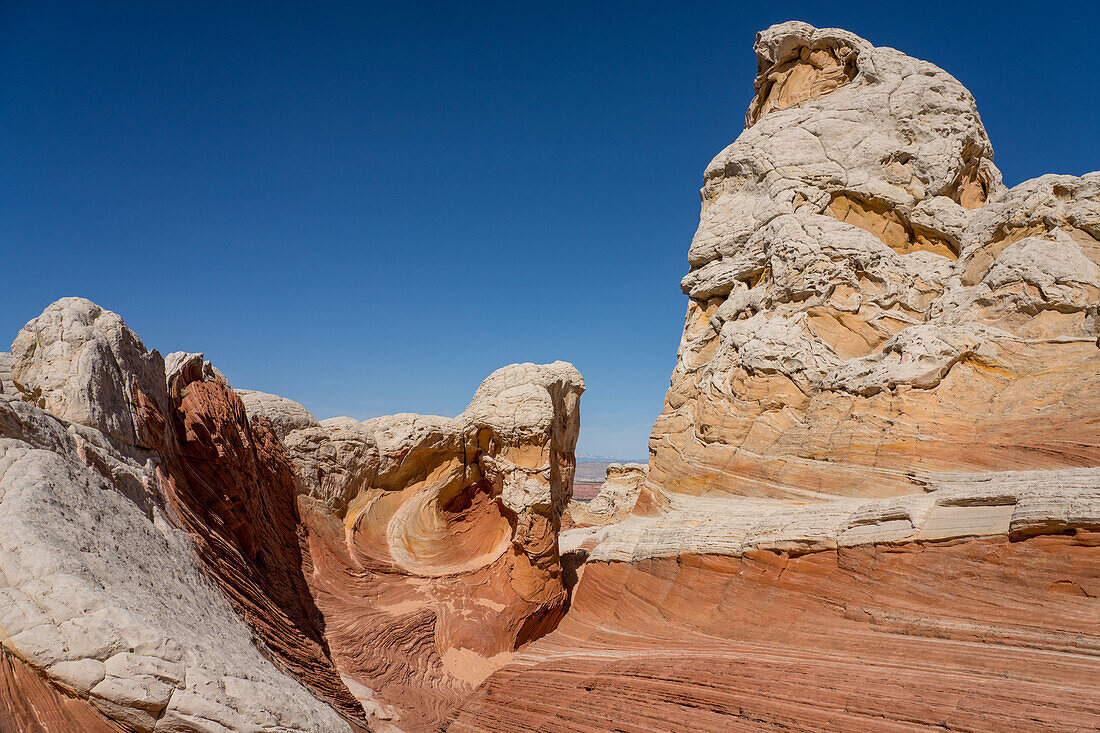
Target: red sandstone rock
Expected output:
[232,486]
[988,635]
[871,315]
[433,541]
[31,704]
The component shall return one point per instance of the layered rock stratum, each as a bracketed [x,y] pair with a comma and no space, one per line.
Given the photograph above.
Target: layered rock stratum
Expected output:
[873,496]
[872,501]
[175,556]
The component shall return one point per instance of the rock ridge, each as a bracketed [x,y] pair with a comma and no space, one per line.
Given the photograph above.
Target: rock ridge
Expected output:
[179,556]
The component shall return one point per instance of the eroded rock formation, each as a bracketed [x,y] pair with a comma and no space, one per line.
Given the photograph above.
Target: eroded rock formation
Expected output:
[176,556]
[101,591]
[617,498]
[988,635]
[868,306]
[872,502]
[231,485]
[873,499]
[434,539]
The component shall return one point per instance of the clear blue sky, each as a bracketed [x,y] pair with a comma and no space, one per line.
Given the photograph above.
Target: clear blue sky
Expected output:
[369,207]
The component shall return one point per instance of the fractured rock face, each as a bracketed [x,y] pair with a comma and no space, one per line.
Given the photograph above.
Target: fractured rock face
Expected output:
[617,497]
[873,500]
[231,485]
[81,363]
[868,306]
[100,593]
[6,361]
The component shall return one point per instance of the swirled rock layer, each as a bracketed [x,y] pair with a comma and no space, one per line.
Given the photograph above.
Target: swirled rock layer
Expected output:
[171,562]
[434,540]
[873,498]
[986,635]
[177,556]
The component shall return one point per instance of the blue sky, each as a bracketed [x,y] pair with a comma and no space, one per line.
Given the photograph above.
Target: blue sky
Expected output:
[369,207]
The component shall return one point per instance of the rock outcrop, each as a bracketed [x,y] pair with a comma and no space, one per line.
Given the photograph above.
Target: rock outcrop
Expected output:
[869,308]
[102,594]
[177,556]
[618,495]
[231,485]
[873,500]
[6,384]
[434,539]
[82,364]
[987,635]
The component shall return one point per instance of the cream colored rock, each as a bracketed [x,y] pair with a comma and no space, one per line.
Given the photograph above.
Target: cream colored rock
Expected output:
[1016,504]
[5,373]
[335,460]
[518,409]
[81,363]
[285,415]
[616,499]
[99,592]
[869,308]
[882,344]
[433,539]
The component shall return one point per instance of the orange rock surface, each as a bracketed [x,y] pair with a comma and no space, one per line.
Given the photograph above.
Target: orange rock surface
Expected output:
[232,486]
[873,496]
[872,501]
[444,559]
[987,635]
[31,704]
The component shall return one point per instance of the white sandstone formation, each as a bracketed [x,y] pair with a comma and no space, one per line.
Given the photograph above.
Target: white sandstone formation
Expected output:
[616,499]
[99,591]
[869,307]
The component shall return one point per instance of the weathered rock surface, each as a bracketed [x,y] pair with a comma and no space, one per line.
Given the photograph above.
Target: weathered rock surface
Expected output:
[615,501]
[987,635]
[82,364]
[30,704]
[177,556]
[285,415]
[434,539]
[231,484]
[5,373]
[1015,505]
[868,306]
[100,592]
[873,500]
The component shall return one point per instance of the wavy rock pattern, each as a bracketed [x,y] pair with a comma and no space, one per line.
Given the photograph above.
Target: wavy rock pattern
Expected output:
[231,484]
[30,704]
[101,594]
[873,499]
[434,539]
[177,556]
[988,635]
[172,562]
[872,504]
